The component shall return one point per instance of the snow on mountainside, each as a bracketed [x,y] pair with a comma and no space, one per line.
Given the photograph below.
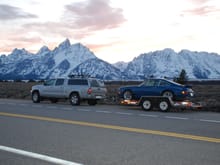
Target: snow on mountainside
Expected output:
[99,69]
[76,58]
[167,63]
[121,65]
[45,64]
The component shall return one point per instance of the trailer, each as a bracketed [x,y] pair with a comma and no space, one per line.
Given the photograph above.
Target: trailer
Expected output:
[163,103]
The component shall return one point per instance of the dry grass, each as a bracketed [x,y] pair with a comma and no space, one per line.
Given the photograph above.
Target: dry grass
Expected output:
[207,95]
[18,90]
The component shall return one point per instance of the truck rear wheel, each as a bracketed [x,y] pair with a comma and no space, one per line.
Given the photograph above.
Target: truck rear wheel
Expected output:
[74,99]
[146,105]
[164,105]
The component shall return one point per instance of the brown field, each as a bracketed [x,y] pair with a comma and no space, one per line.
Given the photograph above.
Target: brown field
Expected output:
[207,95]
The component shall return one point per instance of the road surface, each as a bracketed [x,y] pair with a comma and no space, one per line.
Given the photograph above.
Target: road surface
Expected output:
[59,133]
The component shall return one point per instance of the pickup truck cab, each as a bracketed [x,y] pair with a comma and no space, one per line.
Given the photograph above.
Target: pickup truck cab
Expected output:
[74,89]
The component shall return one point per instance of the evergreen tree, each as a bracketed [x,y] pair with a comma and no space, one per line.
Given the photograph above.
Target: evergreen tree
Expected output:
[182,79]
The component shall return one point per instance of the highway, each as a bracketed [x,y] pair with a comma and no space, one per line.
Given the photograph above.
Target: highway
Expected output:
[59,133]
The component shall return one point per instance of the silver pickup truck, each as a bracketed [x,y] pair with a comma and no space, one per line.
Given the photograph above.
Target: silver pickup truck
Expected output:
[74,89]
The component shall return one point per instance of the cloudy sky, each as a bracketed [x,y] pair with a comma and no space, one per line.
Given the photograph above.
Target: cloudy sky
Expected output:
[115,30]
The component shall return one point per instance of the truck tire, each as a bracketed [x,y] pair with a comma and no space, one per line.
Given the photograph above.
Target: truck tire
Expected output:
[146,105]
[74,99]
[35,97]
[164,105]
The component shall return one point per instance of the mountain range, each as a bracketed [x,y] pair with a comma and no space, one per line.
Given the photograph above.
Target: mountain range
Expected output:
[70,58]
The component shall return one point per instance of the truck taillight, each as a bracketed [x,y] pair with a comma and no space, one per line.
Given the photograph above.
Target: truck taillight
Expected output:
[89,91]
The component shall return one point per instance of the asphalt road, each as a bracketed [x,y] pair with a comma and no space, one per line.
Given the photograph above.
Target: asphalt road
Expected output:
[105,135]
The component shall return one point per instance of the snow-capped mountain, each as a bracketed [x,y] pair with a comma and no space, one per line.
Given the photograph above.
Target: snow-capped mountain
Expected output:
[121,65]
[69,59]
[100,69]
[167,63]
[45,64]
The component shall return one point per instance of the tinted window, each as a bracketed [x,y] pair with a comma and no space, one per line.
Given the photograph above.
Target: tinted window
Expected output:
[59,82]
[49,82]
[77,82]
[151,82]
[164,83]
[94,83]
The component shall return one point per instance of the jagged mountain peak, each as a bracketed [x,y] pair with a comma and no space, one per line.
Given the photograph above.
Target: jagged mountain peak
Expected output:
[65,48]
[166,51]
[45,63]
[19,52]
[80,47]
[185,51]
[43,49]
[168,63]
[65,44]
[67,58]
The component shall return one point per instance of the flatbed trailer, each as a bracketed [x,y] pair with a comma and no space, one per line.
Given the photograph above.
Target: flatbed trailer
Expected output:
[163,103]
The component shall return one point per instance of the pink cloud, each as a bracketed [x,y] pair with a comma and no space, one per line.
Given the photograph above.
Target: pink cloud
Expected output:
[199,2]
[82,19]
[203,10]
[57,29]
[18,40]
[94,15]
[79,20]
[98,47]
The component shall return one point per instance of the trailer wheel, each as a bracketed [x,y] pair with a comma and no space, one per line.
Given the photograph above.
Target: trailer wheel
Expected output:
[127,95]
[146,105]
[164,105]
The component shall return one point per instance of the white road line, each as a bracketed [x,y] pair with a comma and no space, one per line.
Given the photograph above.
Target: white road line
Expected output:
[38,156]
[144,115]
[174,117]
[52,107]
[211,121]
[37,106]
[103,112]
[67,109]
[11,103]
[24,105]
[123,113]
[83,110]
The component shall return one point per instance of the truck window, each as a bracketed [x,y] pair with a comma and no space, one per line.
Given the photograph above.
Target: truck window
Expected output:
[94,83]
[49,82]
[77,82]
[59,82]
